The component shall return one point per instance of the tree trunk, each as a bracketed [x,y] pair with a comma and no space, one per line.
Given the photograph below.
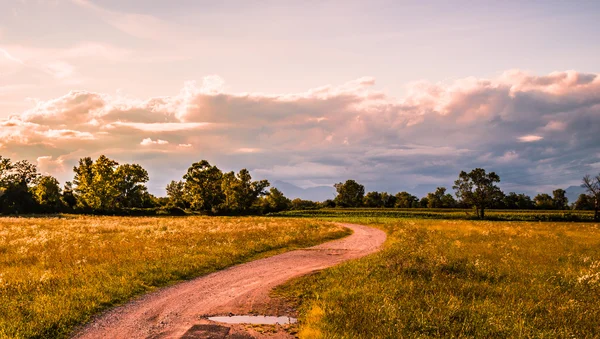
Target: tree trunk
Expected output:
[596,205]
[482,216]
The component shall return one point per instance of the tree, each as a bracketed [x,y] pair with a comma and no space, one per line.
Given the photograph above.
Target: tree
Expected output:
[388,200]
[424,202]
[584,202]
[130,184]
[299,204]
[477,188]
[203,189]
[592,186]
[15,182]
[517,201]
[47,194]
[373,199]
[83,182]
[439,199]
[241,192]
[559,199]
[275,201]
[405,200]
[349,194]
[96,184]
[176,194]
[544,201]
[68,196]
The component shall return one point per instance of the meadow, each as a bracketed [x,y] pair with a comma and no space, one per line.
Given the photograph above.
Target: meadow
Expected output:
[57,272]
[458,278]
[441,213]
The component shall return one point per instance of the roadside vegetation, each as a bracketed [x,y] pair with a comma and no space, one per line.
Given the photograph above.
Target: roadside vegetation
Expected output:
[55,273]
[457,278]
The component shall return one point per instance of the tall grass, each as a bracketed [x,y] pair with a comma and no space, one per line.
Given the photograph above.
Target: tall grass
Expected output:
[449,278]
[56,273]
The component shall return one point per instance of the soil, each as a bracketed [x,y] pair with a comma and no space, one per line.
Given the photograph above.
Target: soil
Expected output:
[180,311]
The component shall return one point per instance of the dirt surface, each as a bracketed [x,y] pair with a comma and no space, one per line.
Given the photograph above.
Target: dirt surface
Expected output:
[181,310]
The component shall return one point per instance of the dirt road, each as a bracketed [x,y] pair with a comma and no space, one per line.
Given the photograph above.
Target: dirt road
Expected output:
[172,311]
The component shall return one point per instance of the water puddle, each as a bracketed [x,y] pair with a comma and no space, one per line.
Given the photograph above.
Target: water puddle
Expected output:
[254,319]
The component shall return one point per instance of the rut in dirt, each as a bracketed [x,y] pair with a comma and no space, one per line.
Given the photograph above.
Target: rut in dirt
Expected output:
[241,289]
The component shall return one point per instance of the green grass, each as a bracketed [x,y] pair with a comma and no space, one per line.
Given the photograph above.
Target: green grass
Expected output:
[55,273]
[442,213]
[456,278]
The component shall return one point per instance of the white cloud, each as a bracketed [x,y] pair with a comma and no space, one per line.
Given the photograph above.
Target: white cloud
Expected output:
[530,138]
[149,141]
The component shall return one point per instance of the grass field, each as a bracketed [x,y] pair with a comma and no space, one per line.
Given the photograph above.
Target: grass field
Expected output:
[459,278]
[441,213]
[57,272]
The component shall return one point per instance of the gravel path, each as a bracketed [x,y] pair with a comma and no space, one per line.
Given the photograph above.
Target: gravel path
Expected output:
[241,289]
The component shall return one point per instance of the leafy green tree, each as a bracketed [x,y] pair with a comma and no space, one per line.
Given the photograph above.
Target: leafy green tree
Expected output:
[275,201]
[130,180]
[373,199]
[203,189]
[83,182]
[388,200]
[15,182]
[68,195]
[349,194]
[544,201]
[405,200]
[47,194]
[592,186]
[424,202]
[299,204]
[176,194]
[517,201]
[477,188]
[437,198]
[241,193]
[448,201]
[560,200]
[584,202]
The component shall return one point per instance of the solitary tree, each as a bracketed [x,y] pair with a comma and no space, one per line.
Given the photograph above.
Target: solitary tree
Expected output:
[349,194]
[477,188]
[592,186]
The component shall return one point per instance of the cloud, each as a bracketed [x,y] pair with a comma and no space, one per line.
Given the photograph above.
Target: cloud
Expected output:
[149,141]
[533,130]
[530,138]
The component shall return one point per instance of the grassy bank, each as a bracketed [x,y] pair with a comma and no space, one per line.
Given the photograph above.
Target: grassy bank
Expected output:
[57,272]
[451,278]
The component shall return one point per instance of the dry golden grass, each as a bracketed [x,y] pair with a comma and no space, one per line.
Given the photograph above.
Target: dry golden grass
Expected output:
[56,273]
[469,279]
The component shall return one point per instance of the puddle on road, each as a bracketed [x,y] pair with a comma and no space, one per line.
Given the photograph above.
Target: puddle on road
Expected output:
[254,319]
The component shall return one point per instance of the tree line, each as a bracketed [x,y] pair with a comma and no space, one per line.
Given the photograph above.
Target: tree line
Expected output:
[105,186]
[476,189]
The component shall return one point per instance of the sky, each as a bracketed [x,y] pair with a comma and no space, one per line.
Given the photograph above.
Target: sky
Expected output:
[393,94]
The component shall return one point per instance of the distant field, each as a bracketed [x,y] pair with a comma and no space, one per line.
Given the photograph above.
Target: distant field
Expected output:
[459,278]
[443,213]
[57,272]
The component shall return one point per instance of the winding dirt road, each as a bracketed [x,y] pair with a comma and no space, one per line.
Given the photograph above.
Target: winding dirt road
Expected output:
[171,312]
